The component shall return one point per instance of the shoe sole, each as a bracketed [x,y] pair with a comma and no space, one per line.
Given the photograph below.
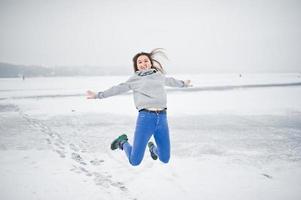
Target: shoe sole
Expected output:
[153,155]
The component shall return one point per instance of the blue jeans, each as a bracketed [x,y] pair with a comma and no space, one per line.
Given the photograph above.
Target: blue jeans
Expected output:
[148,124]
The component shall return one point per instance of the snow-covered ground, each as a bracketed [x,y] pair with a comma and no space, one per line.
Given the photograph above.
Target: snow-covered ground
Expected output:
[229,140]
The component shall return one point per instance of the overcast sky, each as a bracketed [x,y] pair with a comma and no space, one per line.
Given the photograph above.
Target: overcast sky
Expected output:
[202,35]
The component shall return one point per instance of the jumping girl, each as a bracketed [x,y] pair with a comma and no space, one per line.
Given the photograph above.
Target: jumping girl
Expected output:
[149,93]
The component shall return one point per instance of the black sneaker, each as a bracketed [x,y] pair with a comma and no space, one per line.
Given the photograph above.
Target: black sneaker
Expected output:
[118,142]
[151,147]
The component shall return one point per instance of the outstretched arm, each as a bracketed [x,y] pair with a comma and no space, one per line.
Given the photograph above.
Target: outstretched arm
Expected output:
[115,90]
[172,82]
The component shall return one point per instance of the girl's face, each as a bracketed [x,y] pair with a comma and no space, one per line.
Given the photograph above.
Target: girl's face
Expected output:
[143,63]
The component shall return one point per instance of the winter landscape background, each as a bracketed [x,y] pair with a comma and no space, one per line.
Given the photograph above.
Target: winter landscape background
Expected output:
[232,137]
[236,134]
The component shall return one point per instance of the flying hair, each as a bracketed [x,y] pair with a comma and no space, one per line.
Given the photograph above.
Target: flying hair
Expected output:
[153,58]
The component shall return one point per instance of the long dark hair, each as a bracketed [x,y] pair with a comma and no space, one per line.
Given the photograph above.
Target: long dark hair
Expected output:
[155,63]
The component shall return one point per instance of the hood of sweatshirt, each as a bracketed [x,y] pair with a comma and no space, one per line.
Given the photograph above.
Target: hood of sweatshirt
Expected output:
[146,72]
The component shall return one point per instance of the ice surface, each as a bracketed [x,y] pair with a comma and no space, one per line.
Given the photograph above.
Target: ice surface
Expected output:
[241,143]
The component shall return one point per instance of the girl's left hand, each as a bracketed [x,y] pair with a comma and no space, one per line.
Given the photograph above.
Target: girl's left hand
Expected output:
[187,83]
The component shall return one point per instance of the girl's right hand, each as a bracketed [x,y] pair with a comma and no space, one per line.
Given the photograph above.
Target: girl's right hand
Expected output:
[90,94]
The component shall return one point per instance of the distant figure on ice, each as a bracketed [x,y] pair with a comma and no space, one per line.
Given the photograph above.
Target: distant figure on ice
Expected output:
[149,93]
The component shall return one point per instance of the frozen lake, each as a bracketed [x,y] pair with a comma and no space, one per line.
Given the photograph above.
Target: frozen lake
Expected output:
[232,137]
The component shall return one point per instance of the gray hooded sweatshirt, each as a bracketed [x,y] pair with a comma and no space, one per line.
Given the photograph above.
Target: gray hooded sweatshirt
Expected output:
[148,88]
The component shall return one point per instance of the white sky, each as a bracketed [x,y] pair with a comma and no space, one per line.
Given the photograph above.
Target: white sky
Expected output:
[204,36]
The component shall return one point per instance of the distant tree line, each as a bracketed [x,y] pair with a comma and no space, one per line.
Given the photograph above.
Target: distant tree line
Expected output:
[8,70]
